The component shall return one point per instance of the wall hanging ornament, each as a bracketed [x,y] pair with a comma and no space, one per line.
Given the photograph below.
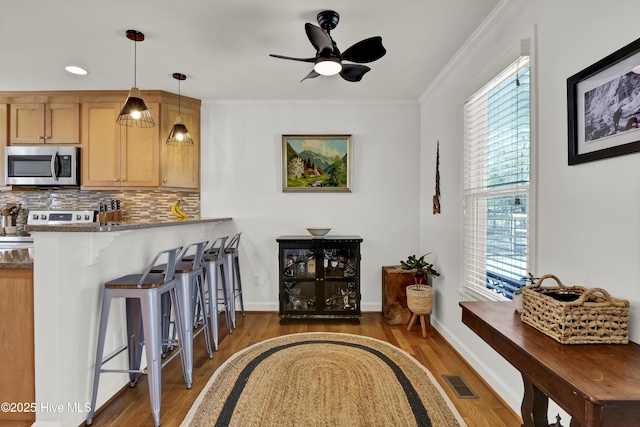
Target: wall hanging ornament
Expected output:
[436,198]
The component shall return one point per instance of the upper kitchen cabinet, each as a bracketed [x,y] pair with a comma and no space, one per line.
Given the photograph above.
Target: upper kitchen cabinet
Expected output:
[45,123]
[181,164]
[115,155]
[4,121]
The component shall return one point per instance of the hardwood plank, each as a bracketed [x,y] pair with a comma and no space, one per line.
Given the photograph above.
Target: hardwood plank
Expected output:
[131,407]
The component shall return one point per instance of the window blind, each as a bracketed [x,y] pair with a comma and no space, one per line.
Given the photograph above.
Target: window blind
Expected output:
[496,181]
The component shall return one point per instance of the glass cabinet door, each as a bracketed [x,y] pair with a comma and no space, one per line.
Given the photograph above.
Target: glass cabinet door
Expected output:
[298,263]
[300,296]
[339,262]
[299,274]
[340,296]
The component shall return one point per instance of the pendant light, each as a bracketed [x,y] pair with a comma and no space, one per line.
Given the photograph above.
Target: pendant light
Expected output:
[179,134]
[135,113]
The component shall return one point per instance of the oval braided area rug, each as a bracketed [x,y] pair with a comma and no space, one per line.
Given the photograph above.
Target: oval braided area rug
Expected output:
[322,379]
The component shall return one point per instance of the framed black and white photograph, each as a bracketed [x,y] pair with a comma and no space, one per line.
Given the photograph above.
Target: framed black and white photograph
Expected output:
[603,104]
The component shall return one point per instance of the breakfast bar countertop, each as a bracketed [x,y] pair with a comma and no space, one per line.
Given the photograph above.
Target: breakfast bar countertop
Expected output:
[121,226]
[23,257]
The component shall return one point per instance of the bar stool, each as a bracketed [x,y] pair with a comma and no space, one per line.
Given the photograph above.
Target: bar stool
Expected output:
[213,263]
[143,301]
[190,289]
[232,253]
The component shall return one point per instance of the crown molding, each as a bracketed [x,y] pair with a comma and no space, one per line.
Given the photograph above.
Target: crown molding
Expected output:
[471,42]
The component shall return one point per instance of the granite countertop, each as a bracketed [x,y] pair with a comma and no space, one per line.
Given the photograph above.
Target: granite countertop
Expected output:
[16,258]
[121,226]
[23,258]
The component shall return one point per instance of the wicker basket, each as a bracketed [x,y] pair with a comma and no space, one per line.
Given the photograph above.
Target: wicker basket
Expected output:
[575,315]
[420,299]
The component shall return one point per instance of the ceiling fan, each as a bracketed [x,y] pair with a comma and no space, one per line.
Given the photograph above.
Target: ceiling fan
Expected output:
[328,59]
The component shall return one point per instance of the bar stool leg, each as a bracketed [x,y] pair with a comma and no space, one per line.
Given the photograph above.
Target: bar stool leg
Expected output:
[228,310]
[151,310]
[166,322]
[239,283]
[211,271]
[231,301]
[135,337]
[186,324]
[197,301]
[102,332]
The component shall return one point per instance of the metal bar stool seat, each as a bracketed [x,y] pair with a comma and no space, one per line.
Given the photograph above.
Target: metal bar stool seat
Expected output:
[190,288]
[143,294]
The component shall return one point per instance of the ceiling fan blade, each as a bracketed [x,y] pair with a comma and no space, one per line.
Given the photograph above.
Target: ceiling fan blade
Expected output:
[353,72]
[367,50]
[318,38]
[313,74]
[293,59]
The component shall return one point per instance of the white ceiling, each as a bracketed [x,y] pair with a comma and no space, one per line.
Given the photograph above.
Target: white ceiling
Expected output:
[223,46]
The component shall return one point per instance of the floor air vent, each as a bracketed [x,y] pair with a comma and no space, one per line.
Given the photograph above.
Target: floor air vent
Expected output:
[460,387]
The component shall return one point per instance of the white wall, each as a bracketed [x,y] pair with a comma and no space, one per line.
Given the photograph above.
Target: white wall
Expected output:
[588,232]
[242,178]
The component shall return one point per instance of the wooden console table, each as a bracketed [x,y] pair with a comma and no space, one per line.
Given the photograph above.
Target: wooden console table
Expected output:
[597,384]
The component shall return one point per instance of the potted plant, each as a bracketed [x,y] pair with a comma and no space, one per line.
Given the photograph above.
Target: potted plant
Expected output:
[421,269]
[419,294]
[517,294]
[517,300]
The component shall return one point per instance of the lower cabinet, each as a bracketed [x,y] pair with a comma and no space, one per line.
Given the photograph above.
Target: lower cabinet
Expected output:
[17,370]
[319,277]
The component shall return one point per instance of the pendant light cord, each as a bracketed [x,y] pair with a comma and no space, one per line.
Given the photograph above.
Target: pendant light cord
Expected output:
[135,59]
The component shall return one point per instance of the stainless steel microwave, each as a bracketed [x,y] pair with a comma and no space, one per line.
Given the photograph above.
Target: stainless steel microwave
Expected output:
[42,166]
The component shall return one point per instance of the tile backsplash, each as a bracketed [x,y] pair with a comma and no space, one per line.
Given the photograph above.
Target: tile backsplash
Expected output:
[135,204]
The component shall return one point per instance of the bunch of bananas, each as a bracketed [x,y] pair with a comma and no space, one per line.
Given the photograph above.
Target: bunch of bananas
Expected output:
[177,211]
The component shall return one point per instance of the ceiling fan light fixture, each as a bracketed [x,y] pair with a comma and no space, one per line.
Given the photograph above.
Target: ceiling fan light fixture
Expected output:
[179,134]
[328,66]
[135,113]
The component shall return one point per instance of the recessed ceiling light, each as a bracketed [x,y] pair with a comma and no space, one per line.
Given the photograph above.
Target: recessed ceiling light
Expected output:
[76,70]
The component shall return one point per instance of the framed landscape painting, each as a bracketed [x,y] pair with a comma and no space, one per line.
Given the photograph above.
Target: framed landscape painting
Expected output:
[316,163]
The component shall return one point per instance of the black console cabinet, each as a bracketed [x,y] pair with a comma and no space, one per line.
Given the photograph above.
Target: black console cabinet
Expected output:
[319,277]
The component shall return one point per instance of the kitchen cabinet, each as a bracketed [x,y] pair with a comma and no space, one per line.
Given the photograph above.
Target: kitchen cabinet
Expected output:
[45,123]
[4,132]
[181,165]
[115,155]
[319,277]
[17,369]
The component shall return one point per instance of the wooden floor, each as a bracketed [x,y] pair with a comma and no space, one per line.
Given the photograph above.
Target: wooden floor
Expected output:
[131,407]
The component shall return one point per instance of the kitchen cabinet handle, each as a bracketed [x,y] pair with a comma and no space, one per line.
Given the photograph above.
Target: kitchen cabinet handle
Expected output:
[164,180]
[115,180]
[40,137]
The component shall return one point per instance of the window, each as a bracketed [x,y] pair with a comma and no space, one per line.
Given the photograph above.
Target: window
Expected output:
[496,183]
